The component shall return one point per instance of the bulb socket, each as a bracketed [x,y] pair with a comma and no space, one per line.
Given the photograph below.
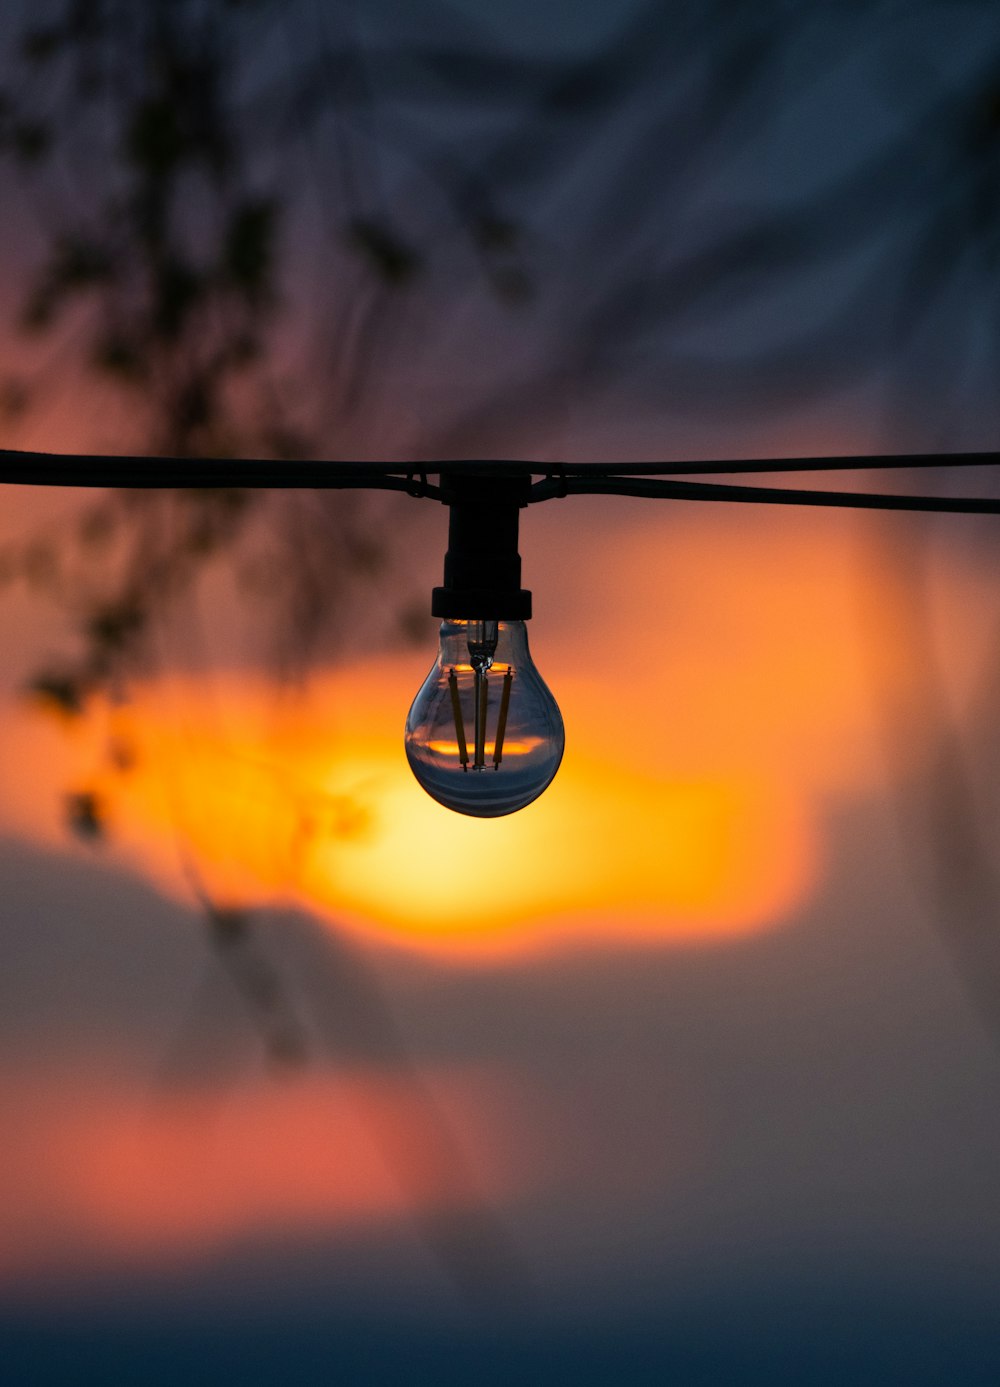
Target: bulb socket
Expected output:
[482,568]
[481,604]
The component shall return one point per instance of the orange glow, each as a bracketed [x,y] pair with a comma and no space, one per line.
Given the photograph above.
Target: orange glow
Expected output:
[496,668]
[102,1170]
[340,826]
[511,747]
[702,751]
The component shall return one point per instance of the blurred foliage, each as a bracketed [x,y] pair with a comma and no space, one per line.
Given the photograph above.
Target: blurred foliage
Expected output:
[169,165]
[277,228]
[778,201]
[85,814]
[179,151]
[682,213]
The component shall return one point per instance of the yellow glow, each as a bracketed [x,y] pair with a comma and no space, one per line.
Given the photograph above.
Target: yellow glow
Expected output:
[339,825]
[607,852]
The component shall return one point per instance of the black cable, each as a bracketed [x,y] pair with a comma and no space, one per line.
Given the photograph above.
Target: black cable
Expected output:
[784,496]
[862,463]
[652,480]
[148,473]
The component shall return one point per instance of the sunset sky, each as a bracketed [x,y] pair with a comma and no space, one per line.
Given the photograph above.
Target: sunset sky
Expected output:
[689,1067]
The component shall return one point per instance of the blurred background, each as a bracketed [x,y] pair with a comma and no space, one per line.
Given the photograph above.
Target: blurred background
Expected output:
[689,1070]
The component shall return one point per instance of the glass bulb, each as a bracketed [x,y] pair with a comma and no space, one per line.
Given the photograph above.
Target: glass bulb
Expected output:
[484,735]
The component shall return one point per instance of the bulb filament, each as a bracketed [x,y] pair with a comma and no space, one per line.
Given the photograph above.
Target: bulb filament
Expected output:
[456,708]
[480,708]
[482,690]
[508,679]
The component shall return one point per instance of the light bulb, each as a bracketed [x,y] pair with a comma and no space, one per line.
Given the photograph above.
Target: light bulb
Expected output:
[484,735]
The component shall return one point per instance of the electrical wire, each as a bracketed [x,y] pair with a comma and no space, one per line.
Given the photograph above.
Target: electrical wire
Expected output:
[861,463]
[659,481]
[785,496]
[190,474]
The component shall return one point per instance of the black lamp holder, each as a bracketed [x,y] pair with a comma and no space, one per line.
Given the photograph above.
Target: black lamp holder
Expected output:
[482,568]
